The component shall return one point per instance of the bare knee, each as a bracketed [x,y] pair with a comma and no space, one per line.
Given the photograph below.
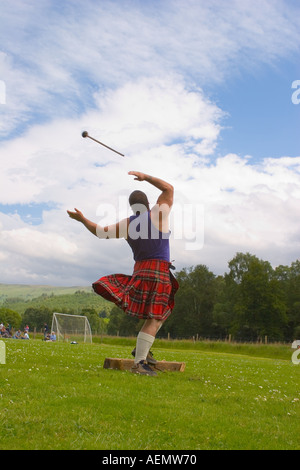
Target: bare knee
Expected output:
[151,326]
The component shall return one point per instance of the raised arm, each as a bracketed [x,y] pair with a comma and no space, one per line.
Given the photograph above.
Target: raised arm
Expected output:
[78,215]
[160,212]
[167,190]
[118,230]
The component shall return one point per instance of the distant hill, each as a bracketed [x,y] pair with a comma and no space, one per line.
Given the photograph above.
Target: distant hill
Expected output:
[59,299]
[28,292]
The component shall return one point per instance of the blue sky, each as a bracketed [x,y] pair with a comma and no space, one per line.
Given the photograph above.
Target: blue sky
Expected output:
[263,121]
[196,92]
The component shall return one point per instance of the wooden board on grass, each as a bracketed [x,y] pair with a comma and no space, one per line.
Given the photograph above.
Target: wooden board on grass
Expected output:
[126,364]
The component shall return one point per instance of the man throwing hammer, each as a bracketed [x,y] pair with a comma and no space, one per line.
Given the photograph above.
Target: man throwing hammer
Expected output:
[149,293]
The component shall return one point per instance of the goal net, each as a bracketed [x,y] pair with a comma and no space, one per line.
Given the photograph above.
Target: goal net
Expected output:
[71,328]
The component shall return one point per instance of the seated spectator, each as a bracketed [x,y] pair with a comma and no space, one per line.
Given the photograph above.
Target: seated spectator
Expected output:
[25,335]
[17,335]
[53,336]
[5,333]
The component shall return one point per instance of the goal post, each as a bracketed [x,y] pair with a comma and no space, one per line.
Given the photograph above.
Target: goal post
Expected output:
[71,328]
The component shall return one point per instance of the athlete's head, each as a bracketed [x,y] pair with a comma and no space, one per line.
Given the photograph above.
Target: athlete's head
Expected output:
[139,202]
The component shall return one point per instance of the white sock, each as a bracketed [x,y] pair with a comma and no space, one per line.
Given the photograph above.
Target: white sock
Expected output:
[143,345]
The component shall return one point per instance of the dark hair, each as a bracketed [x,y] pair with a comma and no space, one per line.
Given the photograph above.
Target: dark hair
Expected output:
[139,198]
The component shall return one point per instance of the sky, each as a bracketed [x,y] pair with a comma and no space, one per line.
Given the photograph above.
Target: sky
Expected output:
[203,94]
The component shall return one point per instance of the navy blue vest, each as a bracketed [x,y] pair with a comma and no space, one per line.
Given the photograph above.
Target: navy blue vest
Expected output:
[145,240]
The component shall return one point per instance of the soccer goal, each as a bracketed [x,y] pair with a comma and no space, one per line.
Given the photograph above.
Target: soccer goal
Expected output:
[71,328]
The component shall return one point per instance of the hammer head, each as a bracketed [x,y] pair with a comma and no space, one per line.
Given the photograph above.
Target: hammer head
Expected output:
[84,134]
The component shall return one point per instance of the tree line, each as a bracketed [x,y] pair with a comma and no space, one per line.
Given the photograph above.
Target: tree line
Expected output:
[251,301]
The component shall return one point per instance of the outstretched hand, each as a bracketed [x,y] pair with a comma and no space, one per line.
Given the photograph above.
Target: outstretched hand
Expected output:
[77,215]
[138,175]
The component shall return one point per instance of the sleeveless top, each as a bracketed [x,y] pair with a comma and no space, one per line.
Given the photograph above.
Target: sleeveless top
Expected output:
[145,240]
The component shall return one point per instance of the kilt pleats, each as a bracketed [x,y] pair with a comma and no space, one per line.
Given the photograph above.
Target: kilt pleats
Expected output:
[148,293]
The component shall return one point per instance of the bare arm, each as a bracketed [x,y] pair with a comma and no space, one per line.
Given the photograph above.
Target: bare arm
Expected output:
[77,215]
[160,212]
[167,190]
[118,230]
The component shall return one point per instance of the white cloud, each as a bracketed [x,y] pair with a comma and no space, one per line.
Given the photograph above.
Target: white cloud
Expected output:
[56,57]
[246,207]
[132,74]
[34,244]
[52,163]
[250,208]
[53,160]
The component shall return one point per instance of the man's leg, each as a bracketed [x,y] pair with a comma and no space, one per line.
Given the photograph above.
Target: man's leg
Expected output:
[146,338]
[152,326]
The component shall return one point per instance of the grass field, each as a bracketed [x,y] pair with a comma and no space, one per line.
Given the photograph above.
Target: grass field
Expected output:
[58,396]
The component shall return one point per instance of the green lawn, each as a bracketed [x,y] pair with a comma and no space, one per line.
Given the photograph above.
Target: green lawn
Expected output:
[58,396]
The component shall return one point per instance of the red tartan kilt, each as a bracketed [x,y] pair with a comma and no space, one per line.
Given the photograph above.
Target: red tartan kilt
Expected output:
[148,293]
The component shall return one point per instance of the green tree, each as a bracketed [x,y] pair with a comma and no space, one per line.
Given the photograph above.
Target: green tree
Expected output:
[97,324]
[36,317]
[256,298]
[122,324]
[10,317]
[289,278]
[222,312]
[194,303]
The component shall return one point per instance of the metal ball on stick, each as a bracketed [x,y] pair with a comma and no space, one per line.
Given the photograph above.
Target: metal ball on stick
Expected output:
[85,134]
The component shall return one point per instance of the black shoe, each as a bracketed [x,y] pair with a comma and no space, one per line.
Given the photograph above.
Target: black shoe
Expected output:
[150,359]
[142,368]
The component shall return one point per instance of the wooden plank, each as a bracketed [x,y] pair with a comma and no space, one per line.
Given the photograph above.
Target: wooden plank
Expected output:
[126,364]
[116,363]
[170,366]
